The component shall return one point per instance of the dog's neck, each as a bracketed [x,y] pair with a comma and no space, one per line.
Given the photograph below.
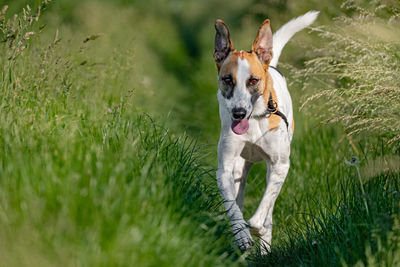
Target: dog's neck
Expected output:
[268,89]
[262,107]
[262,102]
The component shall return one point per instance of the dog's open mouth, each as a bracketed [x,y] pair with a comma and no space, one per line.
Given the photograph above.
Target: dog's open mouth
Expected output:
[240,127]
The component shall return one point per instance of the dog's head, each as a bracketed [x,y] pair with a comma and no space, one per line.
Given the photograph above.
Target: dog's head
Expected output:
[242,75]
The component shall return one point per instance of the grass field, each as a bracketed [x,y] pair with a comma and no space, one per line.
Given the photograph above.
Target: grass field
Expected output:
[108,133]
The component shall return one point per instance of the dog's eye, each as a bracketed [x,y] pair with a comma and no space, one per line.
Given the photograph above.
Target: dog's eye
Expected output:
[253,81]
[228,81]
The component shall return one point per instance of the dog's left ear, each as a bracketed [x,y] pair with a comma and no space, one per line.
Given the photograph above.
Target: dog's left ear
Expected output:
[262,45]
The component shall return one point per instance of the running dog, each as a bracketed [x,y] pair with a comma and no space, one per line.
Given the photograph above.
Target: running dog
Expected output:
[257,123]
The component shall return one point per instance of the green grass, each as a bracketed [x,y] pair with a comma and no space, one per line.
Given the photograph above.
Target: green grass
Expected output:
[108,147]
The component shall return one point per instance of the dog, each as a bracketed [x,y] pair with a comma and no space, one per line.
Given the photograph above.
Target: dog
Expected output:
[257,123]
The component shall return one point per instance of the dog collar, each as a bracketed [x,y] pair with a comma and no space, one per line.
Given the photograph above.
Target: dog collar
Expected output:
[275,68]
[272,108]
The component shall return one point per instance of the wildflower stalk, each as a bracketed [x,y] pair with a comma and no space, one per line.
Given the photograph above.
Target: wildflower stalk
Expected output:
[362,189]
[354,162]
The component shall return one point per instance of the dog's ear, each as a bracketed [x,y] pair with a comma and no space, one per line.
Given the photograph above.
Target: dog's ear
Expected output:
[223,43]
[262,45]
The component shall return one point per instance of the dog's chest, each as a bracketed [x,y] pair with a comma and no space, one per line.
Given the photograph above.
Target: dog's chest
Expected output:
[258,141]
[253,153]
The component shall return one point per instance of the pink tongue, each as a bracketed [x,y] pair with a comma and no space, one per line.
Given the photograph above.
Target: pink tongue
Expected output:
[240,127]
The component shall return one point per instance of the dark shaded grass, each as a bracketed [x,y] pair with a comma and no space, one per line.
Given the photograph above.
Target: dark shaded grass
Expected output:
[340,233]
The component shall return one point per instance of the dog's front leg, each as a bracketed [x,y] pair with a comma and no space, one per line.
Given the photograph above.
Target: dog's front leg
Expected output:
[261,222]
[240,171]
[229,148]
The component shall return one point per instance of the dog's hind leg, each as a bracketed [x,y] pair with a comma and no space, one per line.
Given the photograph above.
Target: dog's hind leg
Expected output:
[266,237]
[261,222]
[240,171]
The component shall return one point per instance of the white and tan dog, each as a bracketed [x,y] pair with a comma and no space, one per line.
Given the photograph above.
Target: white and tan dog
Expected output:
[256,123]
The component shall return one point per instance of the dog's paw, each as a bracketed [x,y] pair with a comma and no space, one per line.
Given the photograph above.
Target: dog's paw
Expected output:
[265,248]
[256,228]
[243,237]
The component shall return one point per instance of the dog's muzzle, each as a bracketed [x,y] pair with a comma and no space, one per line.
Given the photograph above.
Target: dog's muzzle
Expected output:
[240,123]
[239,113]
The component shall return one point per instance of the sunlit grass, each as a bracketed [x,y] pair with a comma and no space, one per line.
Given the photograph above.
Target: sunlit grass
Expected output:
[358,71]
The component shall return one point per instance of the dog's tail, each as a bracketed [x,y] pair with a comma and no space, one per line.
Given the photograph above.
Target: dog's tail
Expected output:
[283,35]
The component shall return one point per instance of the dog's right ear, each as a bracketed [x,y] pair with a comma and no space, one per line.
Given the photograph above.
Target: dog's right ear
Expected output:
[223,42]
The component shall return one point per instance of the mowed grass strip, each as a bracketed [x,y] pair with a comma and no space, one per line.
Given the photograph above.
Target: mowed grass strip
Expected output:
[344,232]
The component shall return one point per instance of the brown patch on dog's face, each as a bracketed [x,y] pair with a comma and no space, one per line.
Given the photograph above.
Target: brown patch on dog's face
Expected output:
[257,71]
[229,70]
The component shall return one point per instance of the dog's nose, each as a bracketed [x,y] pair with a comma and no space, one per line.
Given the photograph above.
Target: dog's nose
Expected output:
[238,113]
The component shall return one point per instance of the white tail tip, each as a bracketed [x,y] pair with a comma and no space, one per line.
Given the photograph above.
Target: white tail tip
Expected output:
[283,35]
